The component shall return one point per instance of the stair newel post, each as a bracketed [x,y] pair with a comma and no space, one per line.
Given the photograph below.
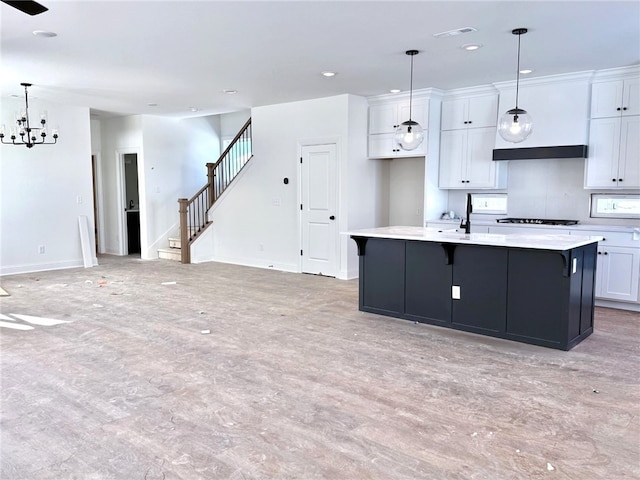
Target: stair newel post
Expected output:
[185,248]
[211,180]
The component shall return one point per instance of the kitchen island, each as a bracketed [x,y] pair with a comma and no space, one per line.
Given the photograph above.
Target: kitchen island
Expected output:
[536,289]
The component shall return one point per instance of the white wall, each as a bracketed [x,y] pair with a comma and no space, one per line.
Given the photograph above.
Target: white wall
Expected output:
[172,156]
[231,123]
[249,228]
[118,136]
[174,166]
[364,186]
[406,191]
[43,191]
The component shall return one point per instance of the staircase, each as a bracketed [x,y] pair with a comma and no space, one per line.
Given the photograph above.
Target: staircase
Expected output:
[173,252]
[194,212]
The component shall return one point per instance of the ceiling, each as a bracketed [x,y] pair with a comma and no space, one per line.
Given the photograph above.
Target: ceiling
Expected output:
[117,57]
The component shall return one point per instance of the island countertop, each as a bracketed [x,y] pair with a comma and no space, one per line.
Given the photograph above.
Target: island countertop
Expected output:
[430,234]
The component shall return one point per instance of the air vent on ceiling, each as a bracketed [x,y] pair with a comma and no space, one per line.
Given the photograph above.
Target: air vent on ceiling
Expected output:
[457,31]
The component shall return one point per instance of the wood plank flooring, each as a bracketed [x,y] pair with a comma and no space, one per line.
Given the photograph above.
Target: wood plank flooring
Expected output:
[293,382]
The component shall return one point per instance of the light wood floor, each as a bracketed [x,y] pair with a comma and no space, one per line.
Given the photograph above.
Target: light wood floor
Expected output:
[293,382]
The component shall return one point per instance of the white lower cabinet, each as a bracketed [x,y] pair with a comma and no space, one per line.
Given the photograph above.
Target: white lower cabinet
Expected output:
[618,267]
[617,273]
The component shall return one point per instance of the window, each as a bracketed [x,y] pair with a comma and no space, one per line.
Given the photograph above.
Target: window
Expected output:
[615,206]
[489,203]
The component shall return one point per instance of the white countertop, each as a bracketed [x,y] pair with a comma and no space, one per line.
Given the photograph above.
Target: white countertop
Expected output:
[580,226]
[430,234]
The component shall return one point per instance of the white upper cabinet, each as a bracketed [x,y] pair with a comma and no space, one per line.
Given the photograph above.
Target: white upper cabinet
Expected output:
[384,118]
[614,150]
[472,112]
[614,137]
[615,98]
[466,160]
[467,137]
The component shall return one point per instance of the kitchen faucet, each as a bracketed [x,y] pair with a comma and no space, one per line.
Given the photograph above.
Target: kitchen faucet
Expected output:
[466,222]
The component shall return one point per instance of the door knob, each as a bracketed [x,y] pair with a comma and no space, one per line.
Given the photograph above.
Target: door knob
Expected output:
[332,217]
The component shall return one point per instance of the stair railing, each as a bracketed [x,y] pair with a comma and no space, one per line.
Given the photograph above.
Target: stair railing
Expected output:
[193,212]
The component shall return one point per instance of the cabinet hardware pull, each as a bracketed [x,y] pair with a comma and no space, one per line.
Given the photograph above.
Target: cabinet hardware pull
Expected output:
[624,108]
[619,179]
[618,109]
[613,179]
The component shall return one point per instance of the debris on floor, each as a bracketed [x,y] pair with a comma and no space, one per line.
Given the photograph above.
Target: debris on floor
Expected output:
[45,322]
[97,305]
[550,467]
[205,332]
[3,292]
[15,326]
[595,391]
[168,283]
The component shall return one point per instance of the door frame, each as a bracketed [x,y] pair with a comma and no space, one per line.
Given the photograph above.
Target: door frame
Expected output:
[311,142]
[122,196]
[98,198]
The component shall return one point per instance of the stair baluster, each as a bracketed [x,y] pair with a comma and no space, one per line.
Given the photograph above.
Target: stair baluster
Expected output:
[194,211]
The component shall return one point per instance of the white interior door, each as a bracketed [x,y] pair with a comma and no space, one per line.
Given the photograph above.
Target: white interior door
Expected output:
[318,209]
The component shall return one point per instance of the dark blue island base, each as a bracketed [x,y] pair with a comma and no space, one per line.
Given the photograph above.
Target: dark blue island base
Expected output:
[536,296]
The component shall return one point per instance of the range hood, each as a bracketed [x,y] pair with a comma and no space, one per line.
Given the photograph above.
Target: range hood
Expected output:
[535,153]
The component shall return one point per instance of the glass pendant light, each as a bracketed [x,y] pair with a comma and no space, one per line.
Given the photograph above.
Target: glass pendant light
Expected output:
[516,125]
[409,135]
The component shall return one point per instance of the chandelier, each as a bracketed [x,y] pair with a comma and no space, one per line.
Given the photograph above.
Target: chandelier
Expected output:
[29,135]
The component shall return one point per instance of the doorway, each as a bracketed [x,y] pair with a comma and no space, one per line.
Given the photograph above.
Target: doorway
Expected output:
[132,203]
[318,209]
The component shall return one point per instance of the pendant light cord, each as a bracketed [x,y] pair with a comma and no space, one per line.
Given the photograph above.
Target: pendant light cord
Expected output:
[411,88]
[518,71]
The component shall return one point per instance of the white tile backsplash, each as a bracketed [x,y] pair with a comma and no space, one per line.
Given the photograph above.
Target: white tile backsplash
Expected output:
[544,188]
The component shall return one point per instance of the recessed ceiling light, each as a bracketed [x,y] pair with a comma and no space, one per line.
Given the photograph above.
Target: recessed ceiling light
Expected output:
[44,34]
[470,47]
[395,90]
[230,91]
[328,74]
[526,71]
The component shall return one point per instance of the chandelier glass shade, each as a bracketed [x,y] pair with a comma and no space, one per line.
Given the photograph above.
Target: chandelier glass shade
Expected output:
[23,133]
[409,135]
[516,124]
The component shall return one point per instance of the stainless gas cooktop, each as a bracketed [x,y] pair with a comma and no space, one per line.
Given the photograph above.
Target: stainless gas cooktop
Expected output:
[537,221]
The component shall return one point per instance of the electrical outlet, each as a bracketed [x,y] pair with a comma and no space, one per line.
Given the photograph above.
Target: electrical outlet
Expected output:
[455,292]
[41,249]
[79,199]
